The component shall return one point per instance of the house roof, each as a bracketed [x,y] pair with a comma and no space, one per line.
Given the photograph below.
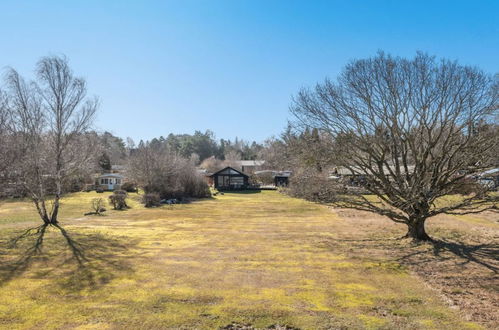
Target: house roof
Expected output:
[230,172]
[275,173]
[491,172]
[359,171]
[111,175]
[250,162]
[283,173]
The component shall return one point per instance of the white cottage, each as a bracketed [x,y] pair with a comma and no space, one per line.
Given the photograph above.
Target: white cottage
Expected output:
[110,181]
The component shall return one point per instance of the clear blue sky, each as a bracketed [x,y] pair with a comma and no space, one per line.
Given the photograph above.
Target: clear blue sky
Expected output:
[230,66]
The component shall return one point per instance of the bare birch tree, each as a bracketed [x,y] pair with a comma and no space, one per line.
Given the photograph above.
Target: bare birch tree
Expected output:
[412,129]
[51,118]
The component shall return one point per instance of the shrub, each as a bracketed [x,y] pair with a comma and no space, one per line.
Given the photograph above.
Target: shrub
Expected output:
[99,190]
[182,186]
[161,171]
[265,178]
[118,200]
[98,205]
[312,186]
[129,187]
[151,200]
[467,186]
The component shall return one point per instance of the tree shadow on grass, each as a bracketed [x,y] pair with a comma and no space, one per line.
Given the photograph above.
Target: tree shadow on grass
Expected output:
[458,253]
[75,261]
[485,254]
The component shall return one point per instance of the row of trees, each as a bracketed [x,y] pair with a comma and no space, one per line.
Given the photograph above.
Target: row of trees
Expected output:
[413,130]
[201,146]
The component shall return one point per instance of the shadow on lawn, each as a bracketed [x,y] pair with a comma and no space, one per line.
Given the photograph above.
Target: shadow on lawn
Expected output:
[76,261]
[456,252]
[484,254]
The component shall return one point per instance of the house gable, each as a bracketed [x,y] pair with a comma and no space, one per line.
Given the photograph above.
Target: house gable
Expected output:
[229,171]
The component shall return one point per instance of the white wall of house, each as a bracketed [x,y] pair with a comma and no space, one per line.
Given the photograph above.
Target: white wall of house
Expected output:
[109,182]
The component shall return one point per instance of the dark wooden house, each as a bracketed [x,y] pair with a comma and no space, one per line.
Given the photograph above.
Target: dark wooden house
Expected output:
[230,179]
[281,179]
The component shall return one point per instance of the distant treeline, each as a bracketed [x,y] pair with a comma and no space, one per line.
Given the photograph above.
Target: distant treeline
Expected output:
[198,147]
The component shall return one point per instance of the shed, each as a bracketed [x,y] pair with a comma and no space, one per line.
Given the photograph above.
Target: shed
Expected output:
[489,178]
[230,179]
[281,179]
[110,181]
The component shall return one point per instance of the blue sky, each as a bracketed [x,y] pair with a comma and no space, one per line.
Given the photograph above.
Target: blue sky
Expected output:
[230,66]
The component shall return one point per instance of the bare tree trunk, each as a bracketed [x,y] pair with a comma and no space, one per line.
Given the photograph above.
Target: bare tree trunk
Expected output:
[42,211]
[416,230]
[55,210]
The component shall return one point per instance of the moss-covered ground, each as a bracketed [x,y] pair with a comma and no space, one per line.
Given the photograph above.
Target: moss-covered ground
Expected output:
[260,259]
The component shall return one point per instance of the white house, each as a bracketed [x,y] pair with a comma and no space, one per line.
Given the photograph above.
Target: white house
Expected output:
[110,181]
[489,178]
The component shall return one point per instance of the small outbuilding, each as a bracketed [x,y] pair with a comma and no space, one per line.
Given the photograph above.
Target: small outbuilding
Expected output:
[277,178]
[489,178]
[281,179]
[230,179]
[110,181]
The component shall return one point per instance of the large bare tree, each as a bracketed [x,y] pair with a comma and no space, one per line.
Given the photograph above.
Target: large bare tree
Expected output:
[414,129]
[51,117]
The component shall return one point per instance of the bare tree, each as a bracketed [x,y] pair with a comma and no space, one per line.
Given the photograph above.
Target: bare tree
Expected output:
[159,170]
[98,205]
[6,154]
[212,164]
[232,158]
[412,129]
[51,116]
[153,167]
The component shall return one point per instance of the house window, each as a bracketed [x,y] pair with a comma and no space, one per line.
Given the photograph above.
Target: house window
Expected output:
[118,181]
[237,180]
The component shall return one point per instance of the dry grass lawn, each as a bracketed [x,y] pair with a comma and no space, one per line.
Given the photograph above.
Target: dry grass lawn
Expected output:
[259,259]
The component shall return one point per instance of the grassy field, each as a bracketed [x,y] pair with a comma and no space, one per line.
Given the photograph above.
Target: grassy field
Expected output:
[260,259]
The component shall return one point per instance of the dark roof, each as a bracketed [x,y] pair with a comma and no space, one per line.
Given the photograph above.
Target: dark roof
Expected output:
[283,174]
[230,169]
[275,173]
